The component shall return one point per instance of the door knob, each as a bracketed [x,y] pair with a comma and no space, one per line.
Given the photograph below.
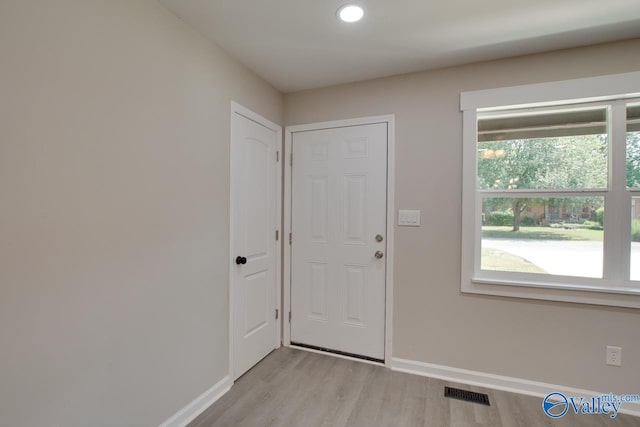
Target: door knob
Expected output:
[241,260]
[379,238]
[379,254]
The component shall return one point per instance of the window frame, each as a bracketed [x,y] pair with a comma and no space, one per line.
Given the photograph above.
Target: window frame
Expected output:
[615,288]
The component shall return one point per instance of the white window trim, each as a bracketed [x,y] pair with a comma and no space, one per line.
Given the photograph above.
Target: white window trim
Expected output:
[615,289]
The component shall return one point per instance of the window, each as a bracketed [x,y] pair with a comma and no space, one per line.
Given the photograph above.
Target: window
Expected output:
[542,165]
[633,182]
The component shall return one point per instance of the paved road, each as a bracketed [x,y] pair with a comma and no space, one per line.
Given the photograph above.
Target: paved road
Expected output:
[563,257]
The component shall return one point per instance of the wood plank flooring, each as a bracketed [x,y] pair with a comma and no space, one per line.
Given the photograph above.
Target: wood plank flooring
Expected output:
[301,389]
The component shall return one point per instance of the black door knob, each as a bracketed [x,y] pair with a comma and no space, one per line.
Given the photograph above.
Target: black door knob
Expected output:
[241,260]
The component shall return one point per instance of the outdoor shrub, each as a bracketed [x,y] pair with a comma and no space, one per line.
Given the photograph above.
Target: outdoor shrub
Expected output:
[600,215]
[500,218]
[591,225]
[635,230]
[527,221]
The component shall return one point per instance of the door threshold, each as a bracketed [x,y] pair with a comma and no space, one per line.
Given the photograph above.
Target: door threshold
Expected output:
[339,354]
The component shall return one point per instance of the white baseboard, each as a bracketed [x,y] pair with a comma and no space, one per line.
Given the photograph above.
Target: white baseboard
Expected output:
[187,414]
[497,382]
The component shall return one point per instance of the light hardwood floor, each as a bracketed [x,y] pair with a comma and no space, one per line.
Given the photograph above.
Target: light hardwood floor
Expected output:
[302,389]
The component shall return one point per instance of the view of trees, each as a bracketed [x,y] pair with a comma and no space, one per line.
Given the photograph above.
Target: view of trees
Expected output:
[558,163]
[633,159]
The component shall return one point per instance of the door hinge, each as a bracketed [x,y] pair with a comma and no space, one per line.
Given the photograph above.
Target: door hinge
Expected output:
[277,156]
[289,317]
[276,313]
[291,159]
[290,238]
[277,234]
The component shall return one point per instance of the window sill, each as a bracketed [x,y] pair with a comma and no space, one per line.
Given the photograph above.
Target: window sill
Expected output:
[609,296]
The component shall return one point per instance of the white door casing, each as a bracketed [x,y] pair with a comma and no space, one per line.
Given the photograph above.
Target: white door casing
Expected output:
[338,208]
[255,252]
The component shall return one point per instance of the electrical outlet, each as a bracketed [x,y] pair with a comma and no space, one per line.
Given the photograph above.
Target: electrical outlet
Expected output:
[614,356]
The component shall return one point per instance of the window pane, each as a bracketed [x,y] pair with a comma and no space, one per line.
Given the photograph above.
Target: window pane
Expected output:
[633,146]
[559,236]
[635,238]
[558,150]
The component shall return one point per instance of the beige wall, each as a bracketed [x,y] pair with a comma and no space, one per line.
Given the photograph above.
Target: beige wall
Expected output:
[114,177]
[433,322]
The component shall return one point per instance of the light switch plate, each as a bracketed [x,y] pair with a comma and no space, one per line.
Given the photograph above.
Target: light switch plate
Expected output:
[409,218]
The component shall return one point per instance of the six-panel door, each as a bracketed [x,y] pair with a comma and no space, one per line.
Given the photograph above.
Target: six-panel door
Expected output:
[339,204]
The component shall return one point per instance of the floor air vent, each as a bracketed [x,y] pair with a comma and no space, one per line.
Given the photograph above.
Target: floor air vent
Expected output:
[467,396]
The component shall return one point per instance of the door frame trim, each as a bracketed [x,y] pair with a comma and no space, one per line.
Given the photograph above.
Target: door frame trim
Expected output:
[255,117]
[289,131]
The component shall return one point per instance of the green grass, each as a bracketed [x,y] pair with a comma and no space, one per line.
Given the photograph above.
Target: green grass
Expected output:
[494,259]
[635,230]
[542,233]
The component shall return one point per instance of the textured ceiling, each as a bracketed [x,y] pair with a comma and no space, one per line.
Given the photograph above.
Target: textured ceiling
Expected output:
[299,44]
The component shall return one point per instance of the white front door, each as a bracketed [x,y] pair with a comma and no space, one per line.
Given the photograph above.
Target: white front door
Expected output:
[339,205]
[254,188]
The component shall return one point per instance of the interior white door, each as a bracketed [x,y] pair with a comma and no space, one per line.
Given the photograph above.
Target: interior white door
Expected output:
[338,264]
[253,241]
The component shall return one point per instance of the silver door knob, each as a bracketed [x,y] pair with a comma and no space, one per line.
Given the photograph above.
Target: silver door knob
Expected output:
[379,238]
[379,254]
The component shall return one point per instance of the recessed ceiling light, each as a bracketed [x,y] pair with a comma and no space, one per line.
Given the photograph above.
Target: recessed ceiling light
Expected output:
[350,13]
